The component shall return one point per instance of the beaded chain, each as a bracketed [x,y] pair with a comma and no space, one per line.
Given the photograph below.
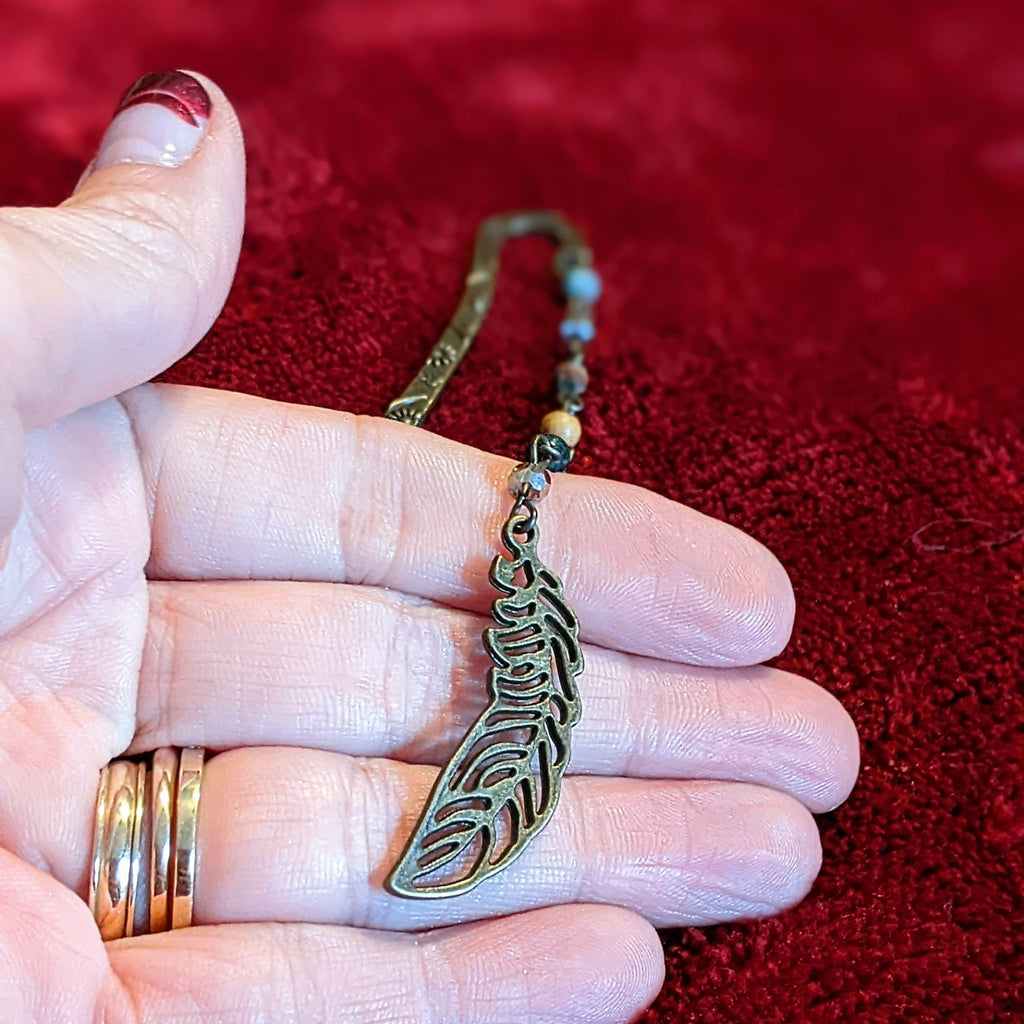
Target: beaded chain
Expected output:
[552,449]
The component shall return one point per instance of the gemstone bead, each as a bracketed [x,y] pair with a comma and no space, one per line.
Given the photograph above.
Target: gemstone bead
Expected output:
[582,329]
[563,425]
[528,481]
[572,379]
[551,449]
[583,283]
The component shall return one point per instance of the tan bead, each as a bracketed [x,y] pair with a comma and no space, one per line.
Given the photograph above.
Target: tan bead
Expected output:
[563,425]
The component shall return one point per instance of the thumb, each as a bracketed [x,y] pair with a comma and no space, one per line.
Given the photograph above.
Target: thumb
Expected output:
[113,285]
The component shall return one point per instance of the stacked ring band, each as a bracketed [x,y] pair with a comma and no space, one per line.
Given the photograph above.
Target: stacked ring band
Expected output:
[145,838]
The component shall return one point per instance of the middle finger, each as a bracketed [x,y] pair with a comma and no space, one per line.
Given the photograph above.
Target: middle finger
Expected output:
[367,671]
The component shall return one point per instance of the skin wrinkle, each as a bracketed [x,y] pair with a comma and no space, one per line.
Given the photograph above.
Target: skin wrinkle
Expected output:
[222,498]
[643,551]
[576,825]
[103,235]
[366,709]
[781,857]
[162,632]
[373,520]
[151,479]
[646,737]
[475,995]
[425,706]
[50,556]
[365,864]
[276,531]
[290,1001]
[400,687]
[54,724]
[802,733]
[18,239]
[119,1002]
[400,557]
[683,595]
[116,236]
[346,477]
[437,984]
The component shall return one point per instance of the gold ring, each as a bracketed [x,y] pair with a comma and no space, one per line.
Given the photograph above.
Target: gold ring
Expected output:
[190,777]
[138,815]
[149,816]
[115,863]
[163,779]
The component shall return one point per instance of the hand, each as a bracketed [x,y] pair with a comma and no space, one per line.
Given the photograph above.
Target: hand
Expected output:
[306,591]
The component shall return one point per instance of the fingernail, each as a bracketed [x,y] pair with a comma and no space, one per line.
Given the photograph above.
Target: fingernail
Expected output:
[160,120]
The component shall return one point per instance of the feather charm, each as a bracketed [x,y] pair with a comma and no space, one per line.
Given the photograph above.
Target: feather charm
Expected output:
[502,783]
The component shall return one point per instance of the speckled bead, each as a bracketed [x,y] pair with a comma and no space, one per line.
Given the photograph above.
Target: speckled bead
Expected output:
[529,481]
[572,379]
[550,450]
[563,425]
[582,283]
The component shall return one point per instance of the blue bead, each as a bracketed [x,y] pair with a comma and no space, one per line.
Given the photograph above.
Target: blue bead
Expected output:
[581,329]
[583,283]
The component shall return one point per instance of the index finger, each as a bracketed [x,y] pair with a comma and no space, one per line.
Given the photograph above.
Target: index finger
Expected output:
[244,488]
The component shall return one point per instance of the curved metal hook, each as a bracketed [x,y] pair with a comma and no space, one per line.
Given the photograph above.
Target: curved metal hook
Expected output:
[413,405]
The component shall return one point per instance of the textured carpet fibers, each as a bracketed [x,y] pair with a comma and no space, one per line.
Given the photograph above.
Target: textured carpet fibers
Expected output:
[809,219]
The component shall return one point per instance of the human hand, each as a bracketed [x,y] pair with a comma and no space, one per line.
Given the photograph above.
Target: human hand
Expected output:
[306,590]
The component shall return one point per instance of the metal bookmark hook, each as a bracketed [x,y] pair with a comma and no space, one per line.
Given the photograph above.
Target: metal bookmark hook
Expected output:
[414,404]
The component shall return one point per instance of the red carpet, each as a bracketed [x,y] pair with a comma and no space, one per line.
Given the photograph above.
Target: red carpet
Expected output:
[809,218]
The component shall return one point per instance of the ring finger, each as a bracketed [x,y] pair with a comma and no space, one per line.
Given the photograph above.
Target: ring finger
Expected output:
[287,834]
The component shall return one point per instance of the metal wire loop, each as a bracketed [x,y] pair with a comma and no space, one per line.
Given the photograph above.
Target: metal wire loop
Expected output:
[520,524]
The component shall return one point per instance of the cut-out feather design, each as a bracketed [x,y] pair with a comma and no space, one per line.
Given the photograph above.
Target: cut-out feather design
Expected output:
[502,783]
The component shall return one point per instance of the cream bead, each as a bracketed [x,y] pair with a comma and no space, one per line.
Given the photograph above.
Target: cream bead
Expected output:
[563,425]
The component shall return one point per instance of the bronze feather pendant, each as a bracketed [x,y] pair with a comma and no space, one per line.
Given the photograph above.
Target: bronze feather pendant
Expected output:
[501,785]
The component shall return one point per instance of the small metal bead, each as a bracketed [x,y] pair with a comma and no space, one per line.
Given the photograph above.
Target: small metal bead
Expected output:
[564,425]
[570,256]
[529,481]
[577,349]
[572,378]
[579,309]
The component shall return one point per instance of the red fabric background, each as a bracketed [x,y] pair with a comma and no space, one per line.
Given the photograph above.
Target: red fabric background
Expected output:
[809,218]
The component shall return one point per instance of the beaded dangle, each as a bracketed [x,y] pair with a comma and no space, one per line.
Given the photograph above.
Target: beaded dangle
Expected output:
[500,787]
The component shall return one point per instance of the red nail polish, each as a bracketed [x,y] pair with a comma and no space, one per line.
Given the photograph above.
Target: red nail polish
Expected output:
[178,92]
[160,120]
